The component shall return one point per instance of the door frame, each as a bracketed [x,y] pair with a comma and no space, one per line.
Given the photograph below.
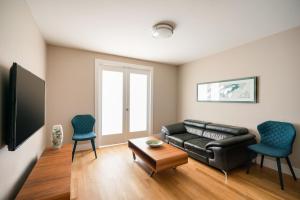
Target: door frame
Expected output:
[102,63]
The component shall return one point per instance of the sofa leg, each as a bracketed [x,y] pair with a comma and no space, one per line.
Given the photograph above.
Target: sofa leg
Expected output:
[226,175]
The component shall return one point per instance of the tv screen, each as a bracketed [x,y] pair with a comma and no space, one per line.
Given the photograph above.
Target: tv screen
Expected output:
[27,105]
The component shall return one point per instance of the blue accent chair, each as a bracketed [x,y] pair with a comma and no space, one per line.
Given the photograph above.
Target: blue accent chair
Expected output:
[277,140]
[83,126]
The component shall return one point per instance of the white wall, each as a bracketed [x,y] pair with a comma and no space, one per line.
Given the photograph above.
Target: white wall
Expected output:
[21,42]
[274,59]
[71,87]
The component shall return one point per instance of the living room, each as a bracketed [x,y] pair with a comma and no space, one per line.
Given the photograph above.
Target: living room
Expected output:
[143,74]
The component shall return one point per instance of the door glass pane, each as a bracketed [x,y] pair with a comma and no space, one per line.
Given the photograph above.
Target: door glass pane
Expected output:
[112,102]
[138,102]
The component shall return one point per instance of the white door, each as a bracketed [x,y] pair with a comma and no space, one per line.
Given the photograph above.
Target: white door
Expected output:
[123,99]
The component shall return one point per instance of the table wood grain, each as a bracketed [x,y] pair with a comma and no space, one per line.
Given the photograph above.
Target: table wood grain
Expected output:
[50,177]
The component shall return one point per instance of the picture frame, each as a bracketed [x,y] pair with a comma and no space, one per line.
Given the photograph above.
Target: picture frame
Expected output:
[241,90]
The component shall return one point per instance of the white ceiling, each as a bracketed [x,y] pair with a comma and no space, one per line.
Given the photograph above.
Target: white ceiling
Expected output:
[123,27]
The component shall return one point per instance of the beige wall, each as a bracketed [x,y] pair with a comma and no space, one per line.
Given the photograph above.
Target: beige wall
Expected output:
[21,42]
[71,80]
[275,60]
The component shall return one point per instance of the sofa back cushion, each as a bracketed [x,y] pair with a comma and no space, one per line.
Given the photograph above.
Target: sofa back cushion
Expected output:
[194,130]
[216,135]
[173,129]
[194,126]
[196,123]
[233,130]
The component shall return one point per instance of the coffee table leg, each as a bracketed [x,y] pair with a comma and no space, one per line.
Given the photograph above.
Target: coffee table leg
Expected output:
[151,174]
[133,155]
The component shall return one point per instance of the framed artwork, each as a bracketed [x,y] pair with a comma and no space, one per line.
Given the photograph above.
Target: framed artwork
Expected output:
[235,90]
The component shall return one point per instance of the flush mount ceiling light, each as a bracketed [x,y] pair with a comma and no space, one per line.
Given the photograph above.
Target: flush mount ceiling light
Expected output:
[162,30]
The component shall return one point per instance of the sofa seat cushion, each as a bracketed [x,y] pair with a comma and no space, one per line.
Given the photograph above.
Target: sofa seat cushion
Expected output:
[198,146]
[179,139]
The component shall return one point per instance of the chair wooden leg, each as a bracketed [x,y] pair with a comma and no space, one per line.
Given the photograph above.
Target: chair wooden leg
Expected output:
[262,161]
[94,148]
[74,148]
[280,173]
[291,168]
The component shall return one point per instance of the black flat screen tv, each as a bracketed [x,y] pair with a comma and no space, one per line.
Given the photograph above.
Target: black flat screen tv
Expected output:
[26,105]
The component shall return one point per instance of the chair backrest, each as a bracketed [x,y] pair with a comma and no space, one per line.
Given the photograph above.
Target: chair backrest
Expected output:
[83,124]
[277,134]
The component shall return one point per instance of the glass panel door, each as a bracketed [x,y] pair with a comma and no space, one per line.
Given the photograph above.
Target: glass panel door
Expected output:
[110,99]
[123,104]
[139,89]
[112,102]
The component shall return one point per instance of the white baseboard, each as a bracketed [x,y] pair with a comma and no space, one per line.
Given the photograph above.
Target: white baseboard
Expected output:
[273,165]
[88,146]
[83,147]
[111,145]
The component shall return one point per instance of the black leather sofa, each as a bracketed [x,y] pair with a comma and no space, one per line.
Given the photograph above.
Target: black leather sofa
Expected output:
[221,146]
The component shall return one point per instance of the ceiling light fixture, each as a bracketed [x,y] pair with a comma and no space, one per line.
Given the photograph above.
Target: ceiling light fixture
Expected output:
[162,30]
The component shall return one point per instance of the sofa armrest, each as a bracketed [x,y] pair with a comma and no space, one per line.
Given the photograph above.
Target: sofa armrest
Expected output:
[173,129]
[230,141]
[232,156]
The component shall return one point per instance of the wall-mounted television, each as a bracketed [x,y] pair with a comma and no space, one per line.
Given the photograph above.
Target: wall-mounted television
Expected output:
[26,105]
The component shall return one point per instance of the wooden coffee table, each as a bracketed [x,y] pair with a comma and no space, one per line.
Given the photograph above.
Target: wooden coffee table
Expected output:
[159,158]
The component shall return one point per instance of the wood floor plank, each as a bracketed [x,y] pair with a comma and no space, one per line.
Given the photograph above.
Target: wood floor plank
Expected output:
[114,175]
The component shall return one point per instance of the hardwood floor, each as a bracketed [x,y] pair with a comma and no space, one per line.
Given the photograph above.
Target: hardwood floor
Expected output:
[114,175]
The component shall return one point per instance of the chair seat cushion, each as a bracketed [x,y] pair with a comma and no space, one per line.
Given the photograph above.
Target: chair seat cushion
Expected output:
[178,139]
[269,150]
[84,136]
[198,146]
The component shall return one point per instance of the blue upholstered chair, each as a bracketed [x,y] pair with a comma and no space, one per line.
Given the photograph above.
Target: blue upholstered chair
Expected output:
[83,126]
[277,140]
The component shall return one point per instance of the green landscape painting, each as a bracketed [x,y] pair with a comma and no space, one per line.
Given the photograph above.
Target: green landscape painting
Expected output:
[237,90]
